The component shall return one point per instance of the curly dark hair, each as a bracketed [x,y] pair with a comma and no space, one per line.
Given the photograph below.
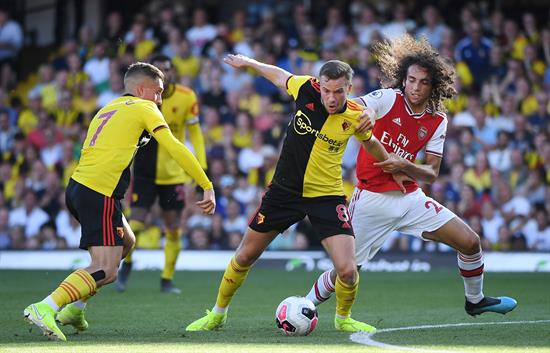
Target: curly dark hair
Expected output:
[396,56]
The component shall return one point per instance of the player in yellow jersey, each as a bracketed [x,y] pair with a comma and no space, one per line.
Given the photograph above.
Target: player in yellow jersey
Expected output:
[156,173]
[307,182]
[97,186]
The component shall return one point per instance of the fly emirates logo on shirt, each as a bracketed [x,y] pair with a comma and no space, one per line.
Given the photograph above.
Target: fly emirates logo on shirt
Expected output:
[398,146]
[302,126]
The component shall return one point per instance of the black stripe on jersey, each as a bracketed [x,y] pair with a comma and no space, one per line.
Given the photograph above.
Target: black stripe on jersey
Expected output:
[160,127]
[145,161]
[297,146]
[286,82]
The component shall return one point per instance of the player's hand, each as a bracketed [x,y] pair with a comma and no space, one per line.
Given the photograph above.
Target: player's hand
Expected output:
[400,178]
[366,120]
[393,164]
[208,202]
[237,61]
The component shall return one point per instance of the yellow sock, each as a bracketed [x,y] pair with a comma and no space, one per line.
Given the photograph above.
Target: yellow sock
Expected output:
[137,227]
[345,296]
[233,277]
[172,249]
[77,285]
[89,296]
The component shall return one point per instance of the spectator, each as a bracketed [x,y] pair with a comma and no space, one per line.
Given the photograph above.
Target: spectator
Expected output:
[335,31]
[113,31]
[512,206]
[367,25]
[474,50]
[201,32]
[399,25]
[29,216]
[68,228]
[433,28]
[11,41]
[5,239]
[199,239]
[115,90]
[537,231]
[252,157]
[97,67]
[7,132]
[500,158]
[491,222]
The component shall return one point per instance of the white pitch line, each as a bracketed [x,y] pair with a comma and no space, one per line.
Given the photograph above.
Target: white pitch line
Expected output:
[367,338]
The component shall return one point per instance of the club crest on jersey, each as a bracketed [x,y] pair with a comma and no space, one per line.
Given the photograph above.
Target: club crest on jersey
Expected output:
[376,94]
[260,218]
[346,125]
[310,106]
[422,133]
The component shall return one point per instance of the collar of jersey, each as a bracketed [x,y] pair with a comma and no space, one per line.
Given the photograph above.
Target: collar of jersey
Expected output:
[410,111]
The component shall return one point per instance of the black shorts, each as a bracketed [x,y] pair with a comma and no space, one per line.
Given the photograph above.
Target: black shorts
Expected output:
[145,191]
[100,216]
[280,209]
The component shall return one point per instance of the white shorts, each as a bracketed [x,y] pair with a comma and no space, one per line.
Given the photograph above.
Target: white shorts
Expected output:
[375,216]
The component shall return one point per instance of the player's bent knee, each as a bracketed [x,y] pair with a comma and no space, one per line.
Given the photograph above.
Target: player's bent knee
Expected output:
[245,258]
[348,274]
[472,244]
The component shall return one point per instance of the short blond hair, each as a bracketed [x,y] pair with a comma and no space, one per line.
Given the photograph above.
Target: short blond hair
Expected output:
[142,69]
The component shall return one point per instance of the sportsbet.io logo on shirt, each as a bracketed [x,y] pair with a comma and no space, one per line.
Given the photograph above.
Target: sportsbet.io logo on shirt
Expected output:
[302,126]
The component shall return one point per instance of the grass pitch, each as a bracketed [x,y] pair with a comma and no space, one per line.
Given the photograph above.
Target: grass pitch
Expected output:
[144,320]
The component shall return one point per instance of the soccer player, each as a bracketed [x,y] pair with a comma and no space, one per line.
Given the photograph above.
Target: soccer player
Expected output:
[97,186]
[408,119]
[157,174]
[307,182]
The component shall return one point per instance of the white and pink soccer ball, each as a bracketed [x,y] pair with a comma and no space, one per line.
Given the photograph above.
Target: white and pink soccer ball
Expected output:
[296,316]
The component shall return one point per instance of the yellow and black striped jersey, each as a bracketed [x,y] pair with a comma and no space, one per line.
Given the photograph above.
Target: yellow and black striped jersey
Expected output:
[111,143]
[311,158]
[181,111]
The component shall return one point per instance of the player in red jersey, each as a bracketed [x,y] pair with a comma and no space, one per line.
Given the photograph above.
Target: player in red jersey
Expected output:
[408,118]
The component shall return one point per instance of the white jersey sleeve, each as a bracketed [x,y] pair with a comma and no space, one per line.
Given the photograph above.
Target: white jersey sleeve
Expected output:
[435,145]
[381,101]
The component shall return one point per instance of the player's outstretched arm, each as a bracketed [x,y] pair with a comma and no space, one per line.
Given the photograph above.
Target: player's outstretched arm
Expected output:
[274,74]
[191,165]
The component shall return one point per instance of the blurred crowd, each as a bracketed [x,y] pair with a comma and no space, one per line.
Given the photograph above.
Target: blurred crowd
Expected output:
[496,168]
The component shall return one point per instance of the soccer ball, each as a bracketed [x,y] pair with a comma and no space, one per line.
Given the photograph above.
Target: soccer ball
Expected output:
[296,316]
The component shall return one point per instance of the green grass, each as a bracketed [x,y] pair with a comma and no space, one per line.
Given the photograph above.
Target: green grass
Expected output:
[143,320]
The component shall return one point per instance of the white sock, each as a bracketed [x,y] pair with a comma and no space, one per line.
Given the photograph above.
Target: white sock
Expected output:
[322,289]
[471,269]
[80,304]
[219,310]
[49,300]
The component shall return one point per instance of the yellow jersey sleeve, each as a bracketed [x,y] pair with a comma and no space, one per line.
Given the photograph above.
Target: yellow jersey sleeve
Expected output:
[357,111]
[183,156]
[152,118]
[363,136]
[294,83]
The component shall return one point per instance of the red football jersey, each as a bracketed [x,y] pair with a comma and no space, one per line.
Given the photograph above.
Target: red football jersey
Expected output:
[400,131]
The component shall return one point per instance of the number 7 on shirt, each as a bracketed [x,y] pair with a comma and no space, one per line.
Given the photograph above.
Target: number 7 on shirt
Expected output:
[106,117]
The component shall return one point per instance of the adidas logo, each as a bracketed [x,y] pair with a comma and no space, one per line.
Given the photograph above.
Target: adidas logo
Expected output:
[397,121]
